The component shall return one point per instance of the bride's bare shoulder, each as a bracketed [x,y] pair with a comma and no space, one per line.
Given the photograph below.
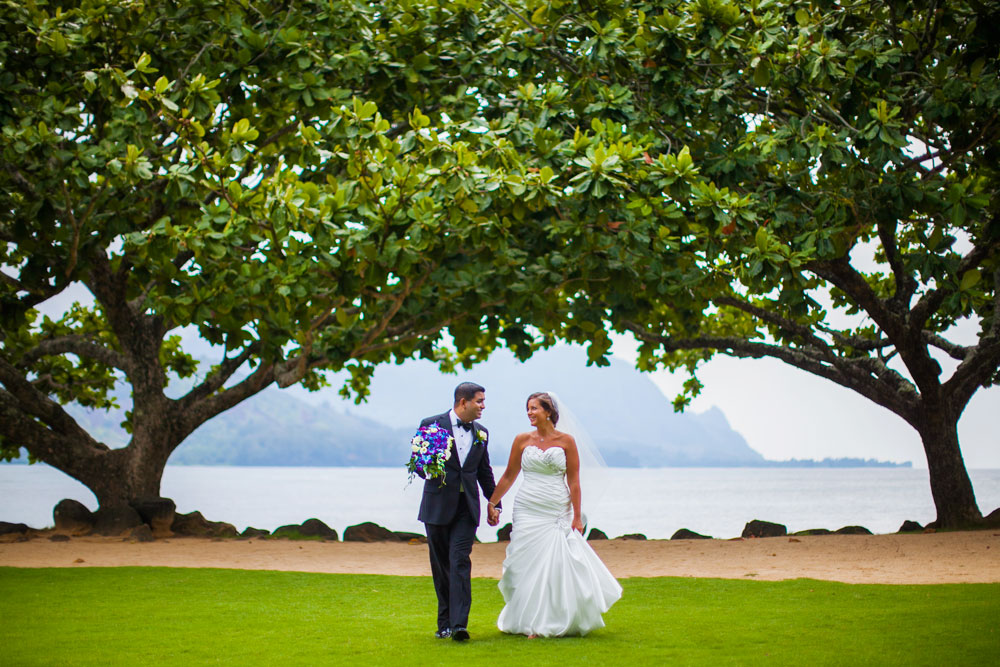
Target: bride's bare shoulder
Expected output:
[521,440]
[566,439]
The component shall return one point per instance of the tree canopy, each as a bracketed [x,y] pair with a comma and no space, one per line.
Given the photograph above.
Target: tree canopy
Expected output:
[307,185]
[322,185]
[815,182]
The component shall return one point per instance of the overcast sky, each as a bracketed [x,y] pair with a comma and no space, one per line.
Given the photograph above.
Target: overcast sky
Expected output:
[786,413]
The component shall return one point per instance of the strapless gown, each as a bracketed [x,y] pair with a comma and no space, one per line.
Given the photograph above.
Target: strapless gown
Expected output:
[553,583]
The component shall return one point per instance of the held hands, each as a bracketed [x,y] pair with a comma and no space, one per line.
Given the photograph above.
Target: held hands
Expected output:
[492,515]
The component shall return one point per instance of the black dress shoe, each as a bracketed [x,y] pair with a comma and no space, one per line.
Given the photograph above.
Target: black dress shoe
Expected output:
[443,634]
[460,634]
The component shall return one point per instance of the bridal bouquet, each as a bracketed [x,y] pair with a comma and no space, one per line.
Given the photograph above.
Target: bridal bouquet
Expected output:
[430,447]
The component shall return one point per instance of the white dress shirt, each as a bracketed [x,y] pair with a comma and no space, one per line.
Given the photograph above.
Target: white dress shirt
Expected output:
[463,438]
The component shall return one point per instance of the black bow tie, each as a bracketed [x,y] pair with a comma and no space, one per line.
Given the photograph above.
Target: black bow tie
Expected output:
[466,425]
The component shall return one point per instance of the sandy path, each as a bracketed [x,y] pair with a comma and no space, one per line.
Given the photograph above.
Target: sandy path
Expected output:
[963,557]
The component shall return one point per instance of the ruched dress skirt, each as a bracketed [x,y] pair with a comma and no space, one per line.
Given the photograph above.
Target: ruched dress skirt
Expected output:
[553,582]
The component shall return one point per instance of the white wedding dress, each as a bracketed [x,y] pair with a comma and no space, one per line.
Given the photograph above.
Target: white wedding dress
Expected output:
[553,582]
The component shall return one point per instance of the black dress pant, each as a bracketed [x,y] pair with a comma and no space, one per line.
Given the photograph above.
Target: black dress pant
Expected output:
[451,566]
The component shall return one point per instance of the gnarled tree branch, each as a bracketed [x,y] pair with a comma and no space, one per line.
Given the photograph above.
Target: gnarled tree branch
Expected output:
[80,346]
[855,374]
[801,330]
[219,376]
[905,284]
[23,398]
[953,350]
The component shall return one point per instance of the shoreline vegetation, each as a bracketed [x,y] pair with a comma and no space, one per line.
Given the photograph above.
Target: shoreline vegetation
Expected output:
[156,518]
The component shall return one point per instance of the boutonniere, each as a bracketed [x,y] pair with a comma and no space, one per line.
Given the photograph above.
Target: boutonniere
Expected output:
[481,437]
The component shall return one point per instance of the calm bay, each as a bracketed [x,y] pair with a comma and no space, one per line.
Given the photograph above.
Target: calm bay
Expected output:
[652,501]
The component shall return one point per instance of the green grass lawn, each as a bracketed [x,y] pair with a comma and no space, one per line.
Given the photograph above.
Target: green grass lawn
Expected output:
[167,616]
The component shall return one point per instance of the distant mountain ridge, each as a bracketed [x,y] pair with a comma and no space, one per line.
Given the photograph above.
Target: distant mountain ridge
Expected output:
[630,420]
[273,428]
[625,413]
[627,416]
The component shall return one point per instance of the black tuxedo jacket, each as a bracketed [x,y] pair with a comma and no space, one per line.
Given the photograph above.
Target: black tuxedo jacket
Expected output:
[440,500]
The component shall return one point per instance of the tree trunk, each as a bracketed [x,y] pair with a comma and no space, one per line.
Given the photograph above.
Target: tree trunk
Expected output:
[951,488]
[119,475]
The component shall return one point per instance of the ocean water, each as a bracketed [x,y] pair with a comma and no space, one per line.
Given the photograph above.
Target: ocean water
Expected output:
[652,501]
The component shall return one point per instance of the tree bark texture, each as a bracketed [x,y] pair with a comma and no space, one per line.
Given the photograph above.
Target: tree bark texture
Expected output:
[951,488]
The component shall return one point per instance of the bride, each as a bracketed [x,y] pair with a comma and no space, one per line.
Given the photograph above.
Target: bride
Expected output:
[553,583]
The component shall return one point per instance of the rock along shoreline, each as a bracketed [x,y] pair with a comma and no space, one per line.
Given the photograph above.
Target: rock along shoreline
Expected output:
[149,519]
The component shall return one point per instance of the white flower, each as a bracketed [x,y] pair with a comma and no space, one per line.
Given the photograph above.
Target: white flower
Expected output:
[415,448]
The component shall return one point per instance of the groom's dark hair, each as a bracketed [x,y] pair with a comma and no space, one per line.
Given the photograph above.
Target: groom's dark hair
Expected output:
[468,391]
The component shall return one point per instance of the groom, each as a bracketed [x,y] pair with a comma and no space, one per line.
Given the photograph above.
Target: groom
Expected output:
[450,509]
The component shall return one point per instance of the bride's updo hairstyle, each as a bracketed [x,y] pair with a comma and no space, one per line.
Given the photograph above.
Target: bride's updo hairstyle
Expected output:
[547,404]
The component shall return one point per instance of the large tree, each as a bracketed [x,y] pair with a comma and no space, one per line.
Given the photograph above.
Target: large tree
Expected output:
[815,182]
[702,174]
[285,179]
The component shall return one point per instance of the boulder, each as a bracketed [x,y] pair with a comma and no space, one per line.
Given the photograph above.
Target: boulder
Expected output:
[157,513]
[992,520]
[503,535]
[191,525]
[141,533]
[73,517]
[11,538]
[757,528]
[316,528]
[259,533]
[631,536]
[813,531]
[116,520]
[8,528]
[196,525]
[59,537]
[223,529]
[597,534]
[308,529]
[685,534]
[412,538]
[853,530]
[291,531]
[369,532]
[910,527]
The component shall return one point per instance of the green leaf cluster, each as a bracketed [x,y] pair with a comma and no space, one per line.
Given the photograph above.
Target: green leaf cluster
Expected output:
[738,158]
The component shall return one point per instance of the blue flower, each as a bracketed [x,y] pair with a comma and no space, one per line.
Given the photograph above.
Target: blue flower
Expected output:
[430,448]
